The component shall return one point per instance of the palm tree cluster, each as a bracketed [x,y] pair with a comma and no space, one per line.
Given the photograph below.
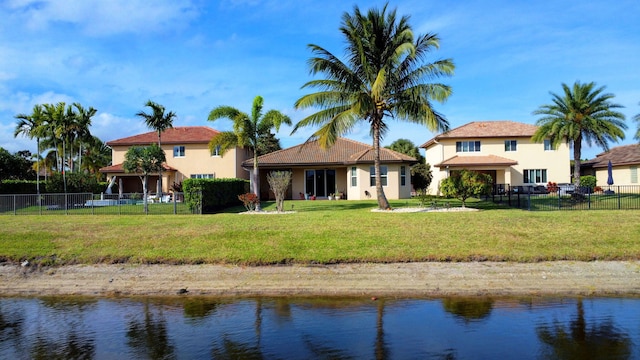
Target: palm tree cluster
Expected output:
[64,131]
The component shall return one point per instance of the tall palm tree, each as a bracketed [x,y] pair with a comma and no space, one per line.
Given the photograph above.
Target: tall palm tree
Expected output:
[59,119]
[384,74]
[582,113]
[81,134]
[32,126]
[637,119]
[158,121]
[247,132]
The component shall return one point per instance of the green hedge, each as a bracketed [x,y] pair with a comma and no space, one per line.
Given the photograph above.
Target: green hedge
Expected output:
[76,183]
[216,193]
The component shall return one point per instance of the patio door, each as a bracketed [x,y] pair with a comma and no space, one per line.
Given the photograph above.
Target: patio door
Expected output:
[320,183]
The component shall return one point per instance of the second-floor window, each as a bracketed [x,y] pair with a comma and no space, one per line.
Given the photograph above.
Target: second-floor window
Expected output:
[216,151]
[547,145]
[467,146]
[178,151]
[510,145]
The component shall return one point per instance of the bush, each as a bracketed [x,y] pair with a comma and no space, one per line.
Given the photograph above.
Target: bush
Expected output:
[76,183]
[217,194]
[588,182]
[249,200]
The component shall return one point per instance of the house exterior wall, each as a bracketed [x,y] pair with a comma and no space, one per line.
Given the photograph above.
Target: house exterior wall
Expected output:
[393,189]
[622,175]
[197,160]
[528,155]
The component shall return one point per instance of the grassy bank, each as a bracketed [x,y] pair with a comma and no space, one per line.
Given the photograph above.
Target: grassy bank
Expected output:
[324,232]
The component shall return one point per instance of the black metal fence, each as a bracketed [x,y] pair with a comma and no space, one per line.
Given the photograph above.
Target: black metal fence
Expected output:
[539,198]
[96,204]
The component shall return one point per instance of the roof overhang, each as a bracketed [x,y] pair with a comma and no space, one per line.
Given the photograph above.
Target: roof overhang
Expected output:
[476,161]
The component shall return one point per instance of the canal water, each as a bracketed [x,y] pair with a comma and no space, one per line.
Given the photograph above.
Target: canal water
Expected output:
[319,328]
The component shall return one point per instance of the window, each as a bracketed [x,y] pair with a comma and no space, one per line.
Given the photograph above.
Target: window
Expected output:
[468,146]
[203,176]
[178,151]
[547,145]
[354,176]
[535,176]
[634,174]
[403,175]
[216,151]
[510,145]
[383,175]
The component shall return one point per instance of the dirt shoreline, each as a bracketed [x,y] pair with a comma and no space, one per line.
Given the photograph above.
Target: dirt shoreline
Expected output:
[397,279]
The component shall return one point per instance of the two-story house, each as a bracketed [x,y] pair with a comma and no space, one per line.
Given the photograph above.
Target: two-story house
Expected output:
[188,156]
[502,149]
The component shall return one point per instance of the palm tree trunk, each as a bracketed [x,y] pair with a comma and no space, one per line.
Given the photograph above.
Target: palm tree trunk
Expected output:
[383,203]
[38,168]
[160,172]
[577,152]
[256,179]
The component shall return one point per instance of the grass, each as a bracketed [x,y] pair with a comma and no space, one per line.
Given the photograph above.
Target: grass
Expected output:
[324,232]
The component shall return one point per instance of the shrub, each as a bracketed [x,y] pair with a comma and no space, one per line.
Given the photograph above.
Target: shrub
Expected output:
[465,184]
[588,182]
[279,182]
[249,200]
[216,193]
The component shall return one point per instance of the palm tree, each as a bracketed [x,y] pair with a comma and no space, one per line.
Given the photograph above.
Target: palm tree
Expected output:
[637,119]
[32,126]
[81,134]
[247,132]
[96,155]
[384,75]
[582,113]
[158,121]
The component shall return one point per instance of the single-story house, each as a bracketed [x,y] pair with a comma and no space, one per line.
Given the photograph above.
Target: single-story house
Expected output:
[188,156]
[625,161]
[346,168]
[502,149]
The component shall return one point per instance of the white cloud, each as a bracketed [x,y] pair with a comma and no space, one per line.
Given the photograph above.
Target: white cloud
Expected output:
[98,18]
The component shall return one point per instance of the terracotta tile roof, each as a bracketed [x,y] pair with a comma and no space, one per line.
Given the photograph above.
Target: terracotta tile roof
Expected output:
[461,161]
[619,155]
[118,168]
[343,152]
[176,135]
[486,129]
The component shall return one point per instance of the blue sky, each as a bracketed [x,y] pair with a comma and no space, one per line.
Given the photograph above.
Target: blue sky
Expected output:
[194,55]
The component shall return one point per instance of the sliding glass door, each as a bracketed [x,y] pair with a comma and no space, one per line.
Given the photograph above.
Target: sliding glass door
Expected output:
[320,183]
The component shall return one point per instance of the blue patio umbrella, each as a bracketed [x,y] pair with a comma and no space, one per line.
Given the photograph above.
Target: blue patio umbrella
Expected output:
[610,173]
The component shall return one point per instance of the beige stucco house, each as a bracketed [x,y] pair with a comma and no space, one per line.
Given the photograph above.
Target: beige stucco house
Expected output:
[346,168]
[502,149]
[188,156]
[625,161]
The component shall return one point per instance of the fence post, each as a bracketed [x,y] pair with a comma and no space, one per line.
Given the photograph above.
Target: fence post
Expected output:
[175,205]
[619,202]
[14,205]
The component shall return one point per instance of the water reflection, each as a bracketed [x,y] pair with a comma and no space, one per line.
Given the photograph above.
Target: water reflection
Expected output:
[327,328]
[599,339]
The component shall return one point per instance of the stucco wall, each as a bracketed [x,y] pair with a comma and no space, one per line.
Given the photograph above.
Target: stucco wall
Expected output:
[528,155]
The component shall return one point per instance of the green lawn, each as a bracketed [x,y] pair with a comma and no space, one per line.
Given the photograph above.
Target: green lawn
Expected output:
[324,232]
